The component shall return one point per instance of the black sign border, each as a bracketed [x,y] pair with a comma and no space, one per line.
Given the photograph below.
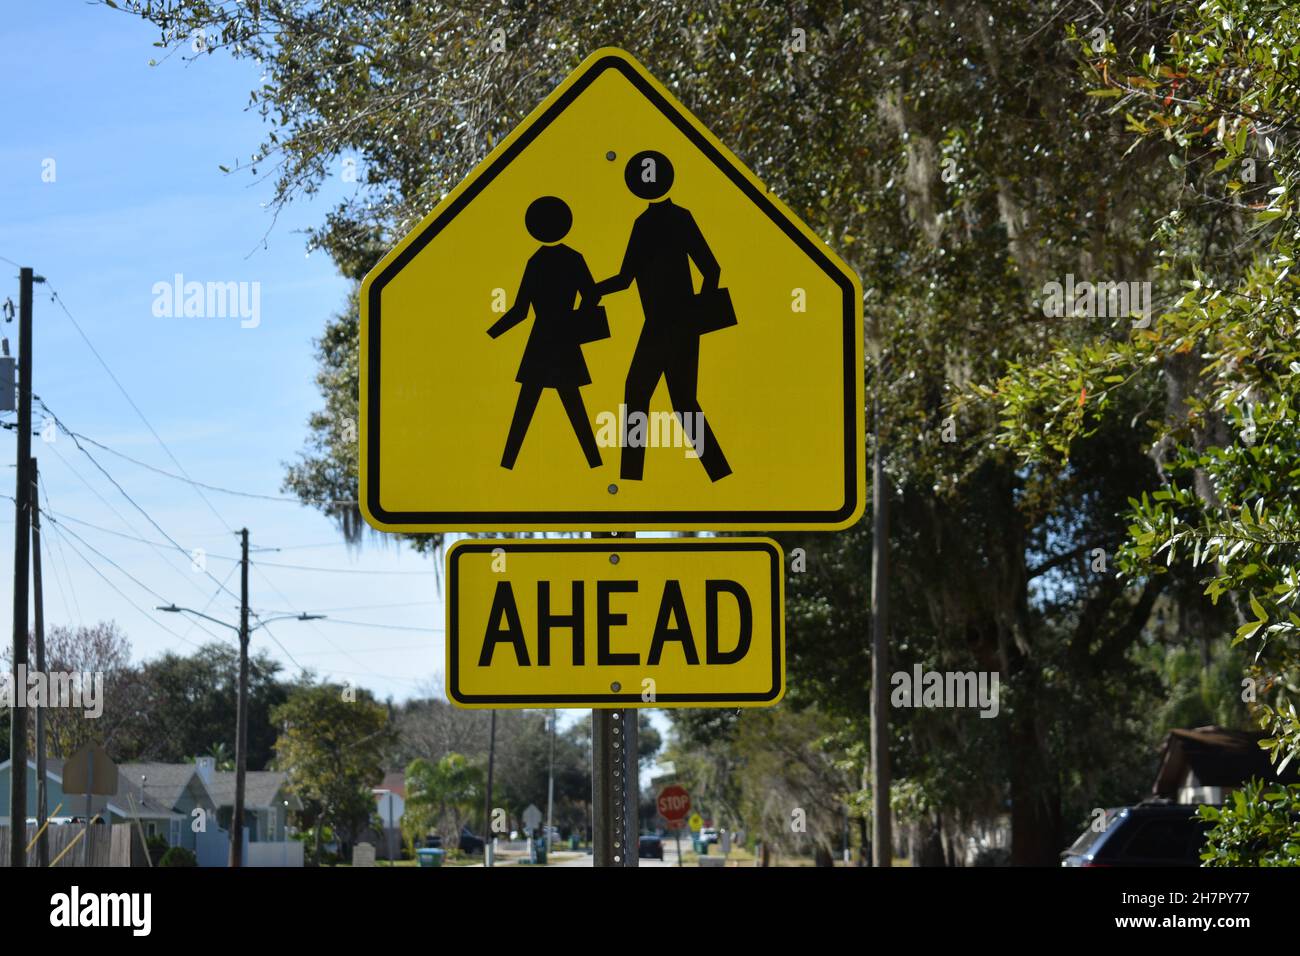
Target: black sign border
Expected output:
[610,545]
[486,520]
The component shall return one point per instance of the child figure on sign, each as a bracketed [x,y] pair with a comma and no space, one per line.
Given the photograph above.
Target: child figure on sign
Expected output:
[554,277]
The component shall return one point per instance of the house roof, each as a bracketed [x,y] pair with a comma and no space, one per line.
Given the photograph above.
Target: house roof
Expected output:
[1216,757]
[165,783]
[144,806]
[260,788]
[394,780]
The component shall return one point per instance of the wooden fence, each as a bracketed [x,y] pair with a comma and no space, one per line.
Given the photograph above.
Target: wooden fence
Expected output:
[116,845]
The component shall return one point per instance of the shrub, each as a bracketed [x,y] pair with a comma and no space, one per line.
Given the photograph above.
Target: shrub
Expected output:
[179,856]
[1257,827]
[156,847]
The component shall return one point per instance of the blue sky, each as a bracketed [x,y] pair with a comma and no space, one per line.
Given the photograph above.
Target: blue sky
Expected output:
[137,197]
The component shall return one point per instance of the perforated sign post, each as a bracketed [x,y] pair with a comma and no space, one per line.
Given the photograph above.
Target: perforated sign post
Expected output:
[612,324]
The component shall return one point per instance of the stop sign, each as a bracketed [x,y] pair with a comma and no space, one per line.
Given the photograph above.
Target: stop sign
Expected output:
[674,802]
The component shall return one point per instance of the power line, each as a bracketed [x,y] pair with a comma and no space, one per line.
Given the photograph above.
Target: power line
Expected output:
[117,514]
[304,547]
[91,564]
[407,680]
[283,649]
[58,581]
[121,570]
[282,596]
[185,478]
[308,567]
[137,538]
[130,401]
[203,610]
[58,543]
[148,517]
[375,650]
[385,627]
[362,607]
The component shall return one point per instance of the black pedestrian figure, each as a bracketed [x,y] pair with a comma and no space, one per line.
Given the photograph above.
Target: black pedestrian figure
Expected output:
[554,276]
[664,242]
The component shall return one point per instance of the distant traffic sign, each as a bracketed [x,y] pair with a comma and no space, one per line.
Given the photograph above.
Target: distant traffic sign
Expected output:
[90,771]
[674,803]
[610,622]
[724,392]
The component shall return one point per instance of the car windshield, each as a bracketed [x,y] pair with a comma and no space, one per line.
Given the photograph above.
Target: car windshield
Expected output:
[1088,838]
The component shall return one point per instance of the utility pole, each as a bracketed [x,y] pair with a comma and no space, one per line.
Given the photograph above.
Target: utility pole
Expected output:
[241,711]
[22,555]
[487,798]
[614,778]
[42,797]
[881,837]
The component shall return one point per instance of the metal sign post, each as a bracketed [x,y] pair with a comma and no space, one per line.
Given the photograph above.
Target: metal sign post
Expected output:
[85,829]
[614,777]
[614,786]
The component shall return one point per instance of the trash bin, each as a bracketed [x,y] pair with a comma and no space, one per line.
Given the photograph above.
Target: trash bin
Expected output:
[539,852]
[573,841]
[702,847]
[429,857]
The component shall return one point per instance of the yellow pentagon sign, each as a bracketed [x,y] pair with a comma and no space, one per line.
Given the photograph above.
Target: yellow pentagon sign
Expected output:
[615,622]
[611,323]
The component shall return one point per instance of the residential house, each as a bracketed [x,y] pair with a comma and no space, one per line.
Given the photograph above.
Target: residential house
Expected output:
[127,805]
[1205,764]
[267,800]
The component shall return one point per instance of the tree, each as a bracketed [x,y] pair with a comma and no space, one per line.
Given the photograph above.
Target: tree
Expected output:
[331,745]
[100,655]
[441,796]
[1218,95]
[953,155]
[186,705]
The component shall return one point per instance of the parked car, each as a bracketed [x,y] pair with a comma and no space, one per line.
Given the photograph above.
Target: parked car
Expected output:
[650,847]
[1145,835]
[708,835]
[469,843]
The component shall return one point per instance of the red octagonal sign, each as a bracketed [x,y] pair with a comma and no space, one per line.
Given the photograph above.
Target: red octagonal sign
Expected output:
[674,803]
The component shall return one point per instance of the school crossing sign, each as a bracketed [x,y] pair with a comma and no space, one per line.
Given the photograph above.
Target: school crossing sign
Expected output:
[611,324]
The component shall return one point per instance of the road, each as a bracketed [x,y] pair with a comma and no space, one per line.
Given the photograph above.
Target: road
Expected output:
[670,856]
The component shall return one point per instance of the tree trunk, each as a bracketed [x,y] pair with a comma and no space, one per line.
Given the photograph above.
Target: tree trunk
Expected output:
[1035,800]
[927,849]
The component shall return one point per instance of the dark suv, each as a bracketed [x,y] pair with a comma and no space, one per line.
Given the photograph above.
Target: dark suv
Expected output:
[1145,835]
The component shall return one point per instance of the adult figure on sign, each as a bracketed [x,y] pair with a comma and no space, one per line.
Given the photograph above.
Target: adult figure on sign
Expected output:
[664,242]
[554,277]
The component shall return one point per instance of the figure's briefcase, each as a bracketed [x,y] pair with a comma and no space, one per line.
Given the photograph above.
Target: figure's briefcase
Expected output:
[590,323]
[712,310]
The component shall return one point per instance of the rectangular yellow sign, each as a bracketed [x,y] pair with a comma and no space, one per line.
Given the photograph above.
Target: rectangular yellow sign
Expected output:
[615,622]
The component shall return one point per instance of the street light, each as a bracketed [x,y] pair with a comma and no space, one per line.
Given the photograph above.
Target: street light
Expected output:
[261,623]
[241,717]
